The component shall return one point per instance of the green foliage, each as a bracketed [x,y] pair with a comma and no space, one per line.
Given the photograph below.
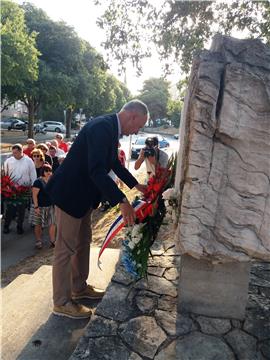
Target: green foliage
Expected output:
[174,112]
[155,94]
[178,28]
[19,61]
[71,74]
[126,24]
[87,84]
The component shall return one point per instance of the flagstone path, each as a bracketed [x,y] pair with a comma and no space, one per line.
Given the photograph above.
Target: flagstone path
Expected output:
[139,320]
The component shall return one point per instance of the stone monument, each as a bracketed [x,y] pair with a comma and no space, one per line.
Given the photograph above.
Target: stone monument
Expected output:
[223,176]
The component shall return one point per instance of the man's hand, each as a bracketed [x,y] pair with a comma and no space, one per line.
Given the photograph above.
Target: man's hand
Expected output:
[140,187]
[128,213]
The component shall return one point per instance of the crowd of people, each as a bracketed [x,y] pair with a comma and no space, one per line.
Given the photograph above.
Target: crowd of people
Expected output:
[32,165]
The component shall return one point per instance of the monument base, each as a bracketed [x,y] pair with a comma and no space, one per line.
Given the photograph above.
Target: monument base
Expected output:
[217,290]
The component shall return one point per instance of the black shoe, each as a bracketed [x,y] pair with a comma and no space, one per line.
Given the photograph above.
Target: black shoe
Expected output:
[20,231]
[6,230]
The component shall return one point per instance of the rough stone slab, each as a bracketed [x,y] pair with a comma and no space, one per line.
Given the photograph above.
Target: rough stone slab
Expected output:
[164,261]
[257,324]
[213,290]
[247,50]
[146,304]
[243,345]
[258,281]
[265,292]
[237,324]
[265,348]
[115,304]
[167,303]
[99,326]
[157,285]
[134,356]
[110,348]
[173,323]
[122,277]
[197,346]
[155,270]
[168,244]
[173,251]
[168,353]
[143,335]
[171,274]
[214,326]
[260,266]
[259,301]
[223,164]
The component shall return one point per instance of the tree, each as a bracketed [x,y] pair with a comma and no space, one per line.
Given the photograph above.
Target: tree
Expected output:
[72,75]
[155,94]
[174,112]
[60,63]
[178,28]
[83,81]
[107,94]
[19,63]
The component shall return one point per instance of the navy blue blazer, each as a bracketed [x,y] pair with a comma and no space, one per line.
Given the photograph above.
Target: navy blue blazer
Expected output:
[82,180]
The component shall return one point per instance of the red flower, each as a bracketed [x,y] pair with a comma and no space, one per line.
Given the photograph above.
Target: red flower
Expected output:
[12,191]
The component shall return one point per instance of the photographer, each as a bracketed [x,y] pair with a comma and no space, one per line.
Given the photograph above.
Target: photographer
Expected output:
[152,156]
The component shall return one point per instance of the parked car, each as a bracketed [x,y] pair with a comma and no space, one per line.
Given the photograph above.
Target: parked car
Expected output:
[56,126]
[38,128]
[140,144]
[18,125]
[15,124]
[176,136]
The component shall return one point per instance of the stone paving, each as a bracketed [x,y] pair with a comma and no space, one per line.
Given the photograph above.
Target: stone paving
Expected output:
[139,320]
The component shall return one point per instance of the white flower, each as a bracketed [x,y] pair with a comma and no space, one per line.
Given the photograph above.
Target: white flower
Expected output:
[131,245]
[136,230]
[136,239]
[169,194]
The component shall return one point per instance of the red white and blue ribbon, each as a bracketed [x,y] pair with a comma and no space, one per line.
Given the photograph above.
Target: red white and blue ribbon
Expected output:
[142,209]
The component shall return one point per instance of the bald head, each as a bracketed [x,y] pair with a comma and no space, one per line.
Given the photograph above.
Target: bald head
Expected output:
[133,117]
[136,105]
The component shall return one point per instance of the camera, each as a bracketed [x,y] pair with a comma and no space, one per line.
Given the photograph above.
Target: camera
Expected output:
[149,152]
[150,143]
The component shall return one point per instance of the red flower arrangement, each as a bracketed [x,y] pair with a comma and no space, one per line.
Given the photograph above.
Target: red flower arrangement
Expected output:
[12,192]
[150,211]
[157,183]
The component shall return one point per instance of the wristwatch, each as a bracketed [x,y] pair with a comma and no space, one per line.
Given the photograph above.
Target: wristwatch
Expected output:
[123,201]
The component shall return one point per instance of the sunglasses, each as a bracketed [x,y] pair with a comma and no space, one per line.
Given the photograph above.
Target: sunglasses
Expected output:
[37,156]
[48,170]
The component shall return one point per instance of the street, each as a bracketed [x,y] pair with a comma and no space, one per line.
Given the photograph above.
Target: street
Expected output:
[16,136]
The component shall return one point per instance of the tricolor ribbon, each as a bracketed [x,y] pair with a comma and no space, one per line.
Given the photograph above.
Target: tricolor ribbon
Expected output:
[142,210]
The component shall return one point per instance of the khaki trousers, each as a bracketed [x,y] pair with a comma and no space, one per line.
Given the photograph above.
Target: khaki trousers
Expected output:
[71,255]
